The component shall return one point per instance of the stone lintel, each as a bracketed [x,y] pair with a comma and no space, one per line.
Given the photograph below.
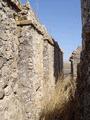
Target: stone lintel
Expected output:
[49,41]
[24,22]
[46,37]
[29,22]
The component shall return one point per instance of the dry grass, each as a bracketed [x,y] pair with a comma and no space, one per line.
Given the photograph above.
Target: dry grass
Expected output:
[58,107]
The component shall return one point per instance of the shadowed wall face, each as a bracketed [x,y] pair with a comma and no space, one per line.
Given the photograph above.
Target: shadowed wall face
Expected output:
[58,62]
[84,66]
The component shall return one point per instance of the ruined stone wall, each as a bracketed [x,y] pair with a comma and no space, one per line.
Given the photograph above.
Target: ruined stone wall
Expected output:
[84,66]
[75,60]
[31,62]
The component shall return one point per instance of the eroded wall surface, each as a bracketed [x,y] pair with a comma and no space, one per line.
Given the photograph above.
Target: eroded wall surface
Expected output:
[31,63]
[84,66]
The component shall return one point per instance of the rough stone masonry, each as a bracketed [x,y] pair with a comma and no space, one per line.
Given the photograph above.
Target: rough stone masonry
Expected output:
[31,62]
[75,60]
[84,66]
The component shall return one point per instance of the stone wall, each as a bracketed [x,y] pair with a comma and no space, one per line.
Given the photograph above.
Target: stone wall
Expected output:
[75,60]
[84,66]
[31,63]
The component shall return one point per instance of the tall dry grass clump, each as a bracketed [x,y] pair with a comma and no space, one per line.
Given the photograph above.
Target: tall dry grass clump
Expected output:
[60,104]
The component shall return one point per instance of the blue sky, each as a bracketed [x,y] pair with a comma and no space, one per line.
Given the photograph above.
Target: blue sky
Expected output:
[62,19]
